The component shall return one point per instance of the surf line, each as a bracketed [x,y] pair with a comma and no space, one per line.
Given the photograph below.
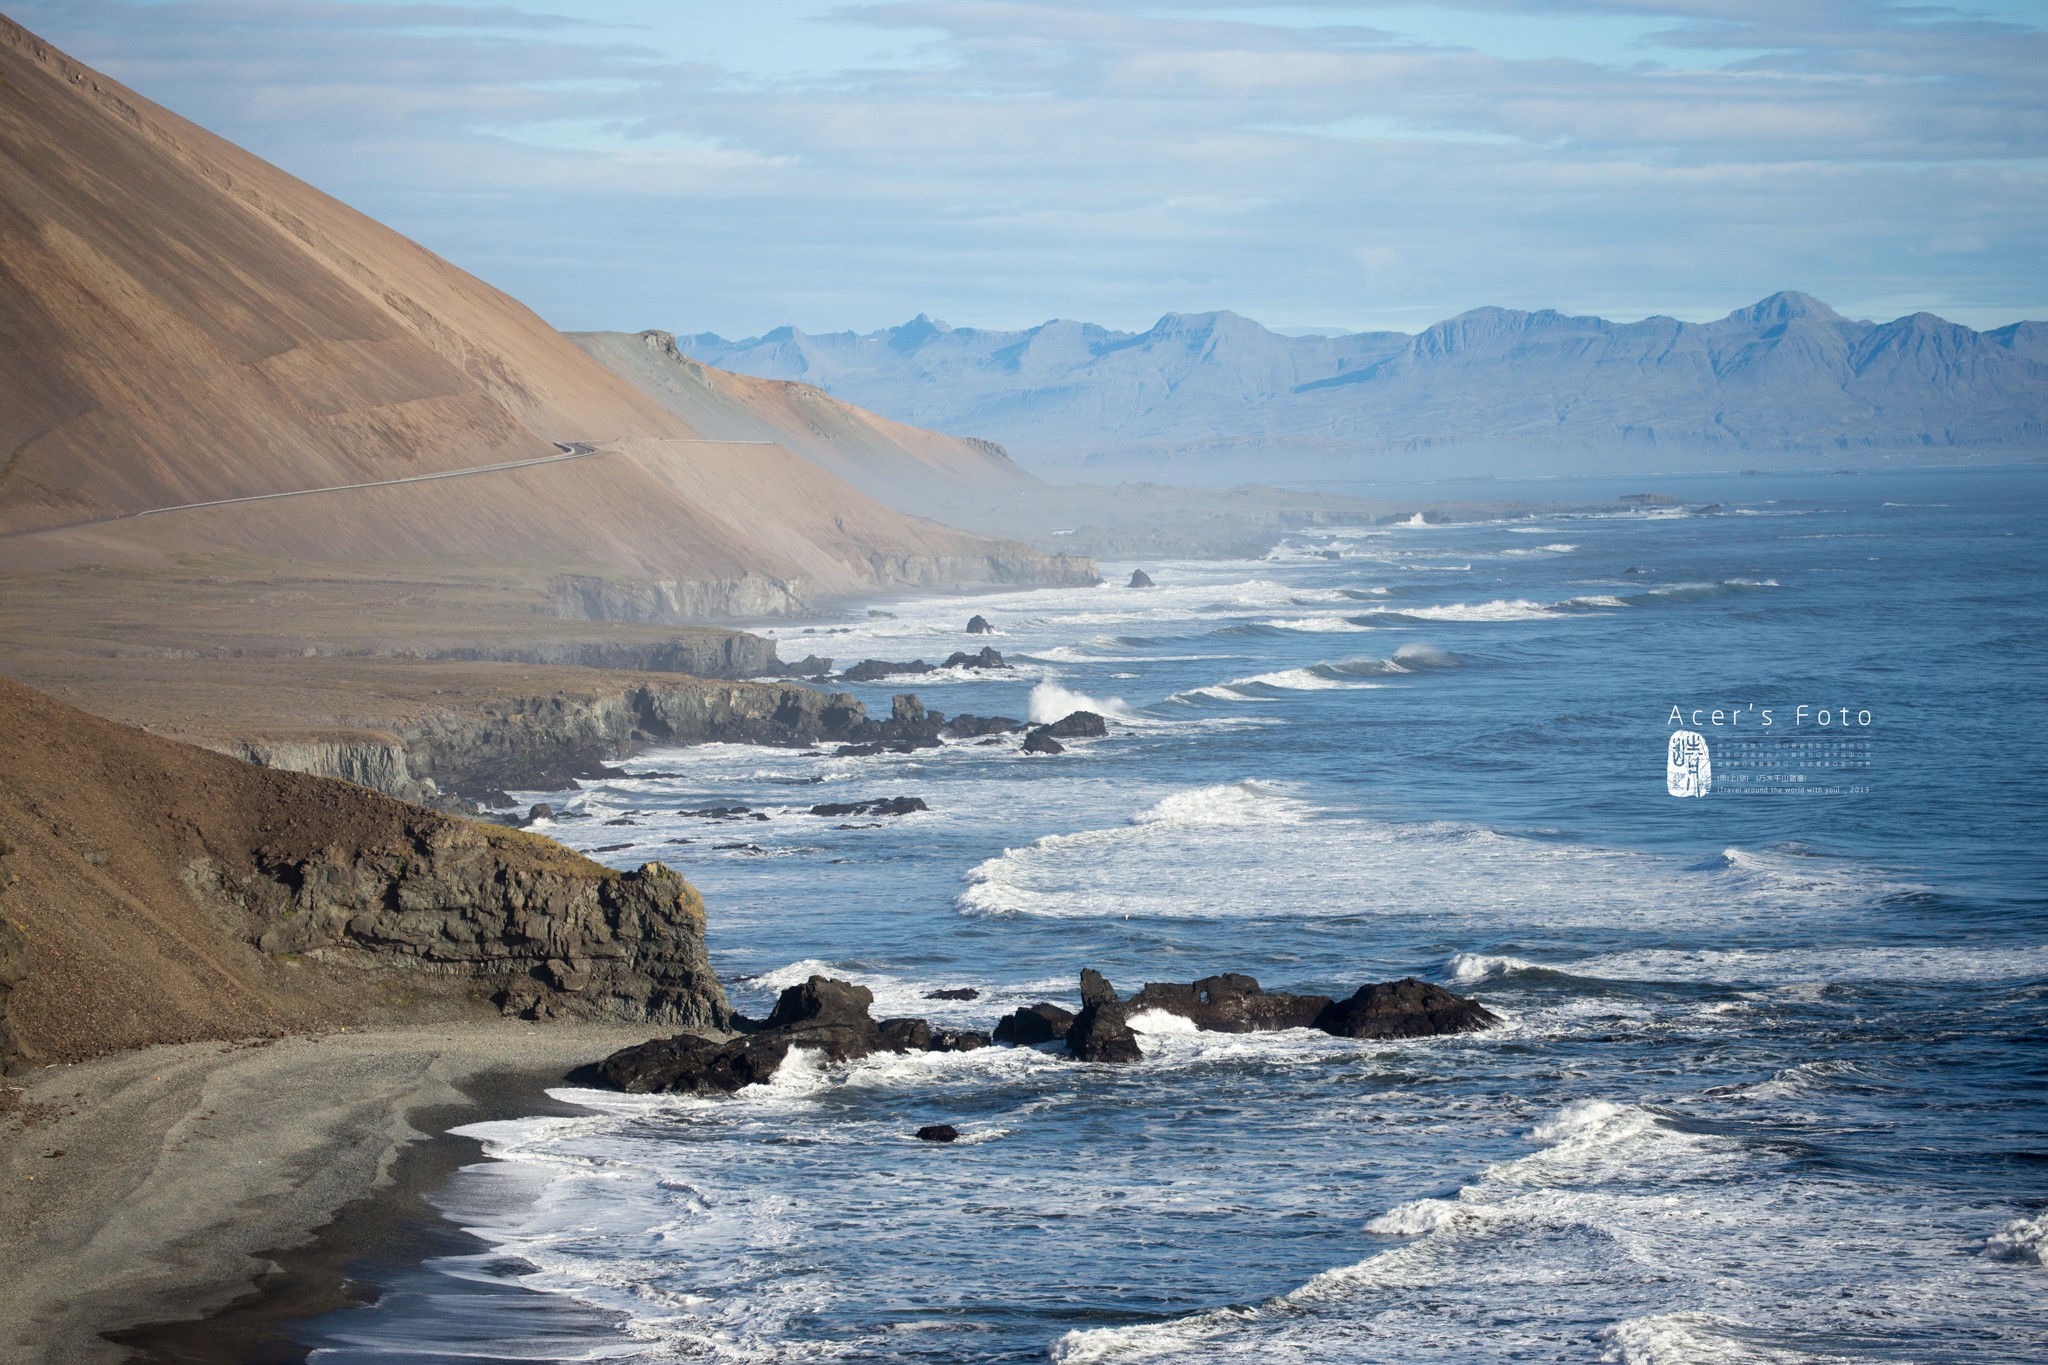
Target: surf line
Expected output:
[572,450]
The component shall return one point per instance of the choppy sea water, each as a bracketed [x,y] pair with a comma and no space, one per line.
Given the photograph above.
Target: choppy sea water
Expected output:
[1771,1082]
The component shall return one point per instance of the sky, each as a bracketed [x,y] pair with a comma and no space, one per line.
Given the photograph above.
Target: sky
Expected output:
[1327,165]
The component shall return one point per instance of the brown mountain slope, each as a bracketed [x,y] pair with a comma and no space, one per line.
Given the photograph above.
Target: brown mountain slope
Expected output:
[181,322]
[158,892]
[911,468]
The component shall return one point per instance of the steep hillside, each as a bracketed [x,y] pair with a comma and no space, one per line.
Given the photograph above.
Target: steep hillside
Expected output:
[1787,381]
[186,324]
[155,892]
[909,468]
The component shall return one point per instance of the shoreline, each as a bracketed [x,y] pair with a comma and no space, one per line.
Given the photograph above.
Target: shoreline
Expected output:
[210,1194]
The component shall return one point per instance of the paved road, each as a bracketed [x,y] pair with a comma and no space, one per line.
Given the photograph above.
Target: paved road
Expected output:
[571,450]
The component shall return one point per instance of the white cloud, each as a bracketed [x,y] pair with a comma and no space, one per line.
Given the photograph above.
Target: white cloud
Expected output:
[1003,161]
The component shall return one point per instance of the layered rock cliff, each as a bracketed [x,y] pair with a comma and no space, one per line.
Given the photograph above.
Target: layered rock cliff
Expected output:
[511,917]
[486,743]
[163,893]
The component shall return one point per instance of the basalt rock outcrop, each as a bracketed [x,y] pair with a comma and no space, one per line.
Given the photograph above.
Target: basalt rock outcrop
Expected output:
[1231,1003]
[1140,579]
[1045,739]
[874,670]
[1077,725]
[1235,1003]
[885,805]
[831,1018]
[978,625]
[820,1015]
[919,1035]
[1101,1032]
[1031,1025]
[967,725]
[1404,1009]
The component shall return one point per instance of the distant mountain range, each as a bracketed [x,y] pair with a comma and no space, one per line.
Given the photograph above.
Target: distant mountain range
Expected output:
[1786,383]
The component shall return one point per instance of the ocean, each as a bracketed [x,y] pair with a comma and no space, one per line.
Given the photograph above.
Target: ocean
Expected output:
[1770,1085]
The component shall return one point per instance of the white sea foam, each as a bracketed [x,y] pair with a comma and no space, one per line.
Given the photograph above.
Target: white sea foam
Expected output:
[1449,874]
[1471,968]
[2024,1240]
[1685,1339]
[1783,966]
[1232,804]
[1051,702]
[1500,609]
[1318,624]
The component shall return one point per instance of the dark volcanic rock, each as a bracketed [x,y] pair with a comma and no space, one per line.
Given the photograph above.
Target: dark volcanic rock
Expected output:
[830,1016]
[1230,1003]
[1101,1031]
[663,1064]
[885,805]
[1139,579]
[978,625]
[1077,725]
[874,670]
[810,666]
[905,1035]
[1034,1024]
[939,1132]
[1095,988]
[954,993]
[822,1015]
[870,750]
[987,658]
[822,1002]
[1404,1009]
[543,811]
[967,725]
[1040,742]
[917,1035]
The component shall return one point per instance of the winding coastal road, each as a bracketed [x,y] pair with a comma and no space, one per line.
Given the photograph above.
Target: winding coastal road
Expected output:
[571,450]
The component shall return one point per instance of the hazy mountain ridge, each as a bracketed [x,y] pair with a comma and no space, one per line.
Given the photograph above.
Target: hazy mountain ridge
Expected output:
[909,468]
[201,354]
[1785,380]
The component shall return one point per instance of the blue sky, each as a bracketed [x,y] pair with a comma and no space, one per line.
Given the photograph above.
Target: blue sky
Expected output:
[1318,163]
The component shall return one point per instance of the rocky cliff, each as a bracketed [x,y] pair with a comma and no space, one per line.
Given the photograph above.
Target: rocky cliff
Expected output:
[163,893]
[512,917]
[485,743]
